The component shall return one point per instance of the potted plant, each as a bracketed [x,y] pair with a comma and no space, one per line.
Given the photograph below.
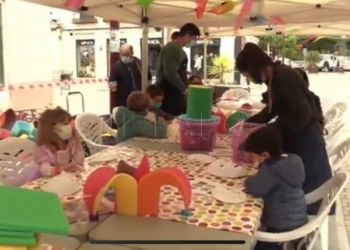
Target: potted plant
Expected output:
[220,66]
[311,59]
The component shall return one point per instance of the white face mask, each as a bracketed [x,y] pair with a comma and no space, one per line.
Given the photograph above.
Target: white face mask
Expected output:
[66,132]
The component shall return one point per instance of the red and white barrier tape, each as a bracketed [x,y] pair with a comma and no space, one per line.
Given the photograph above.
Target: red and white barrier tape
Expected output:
[53,84]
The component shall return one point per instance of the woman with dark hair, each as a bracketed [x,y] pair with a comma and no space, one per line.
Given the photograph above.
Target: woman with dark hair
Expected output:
[289,99]
[320,118]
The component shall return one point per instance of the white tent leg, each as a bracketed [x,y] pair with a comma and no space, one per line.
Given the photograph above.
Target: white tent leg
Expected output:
[205,56]
[144,55]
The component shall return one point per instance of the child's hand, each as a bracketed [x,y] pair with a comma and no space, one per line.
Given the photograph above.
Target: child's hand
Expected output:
[71,167]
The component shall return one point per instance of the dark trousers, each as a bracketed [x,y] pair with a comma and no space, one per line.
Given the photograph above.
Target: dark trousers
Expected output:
[174,102]
[311,147]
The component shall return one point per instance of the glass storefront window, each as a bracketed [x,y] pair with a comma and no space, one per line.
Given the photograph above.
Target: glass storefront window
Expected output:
[86,58]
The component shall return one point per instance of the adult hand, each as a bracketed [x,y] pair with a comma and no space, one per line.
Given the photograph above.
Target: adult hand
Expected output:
[112,86]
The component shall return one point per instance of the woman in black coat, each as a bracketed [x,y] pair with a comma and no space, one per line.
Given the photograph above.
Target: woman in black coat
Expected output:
[298,116]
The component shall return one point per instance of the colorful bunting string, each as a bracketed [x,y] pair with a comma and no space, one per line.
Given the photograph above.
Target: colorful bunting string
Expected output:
[201,6]
[245,10]
[73,4]
[144,3]
[222,8]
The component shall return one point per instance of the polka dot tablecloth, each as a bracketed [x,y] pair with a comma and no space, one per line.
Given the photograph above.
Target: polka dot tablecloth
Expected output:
[222,140]
[205,210]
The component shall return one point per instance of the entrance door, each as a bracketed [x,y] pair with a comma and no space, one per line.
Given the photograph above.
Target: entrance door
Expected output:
[108,50]
[197,54]
[154,47]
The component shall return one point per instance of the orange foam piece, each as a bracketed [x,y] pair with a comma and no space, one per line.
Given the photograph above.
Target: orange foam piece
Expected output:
[143,169]
[150,185]
[221,126]
[125,202]
[96,181]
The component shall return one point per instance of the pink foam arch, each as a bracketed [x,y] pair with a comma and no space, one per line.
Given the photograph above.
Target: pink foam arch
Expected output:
[150,185]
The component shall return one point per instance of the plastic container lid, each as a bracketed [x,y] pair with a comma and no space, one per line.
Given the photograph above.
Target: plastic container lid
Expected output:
[213,118]
[236,117]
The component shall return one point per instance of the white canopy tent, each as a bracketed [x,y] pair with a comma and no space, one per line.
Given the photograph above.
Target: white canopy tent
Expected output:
[296,15]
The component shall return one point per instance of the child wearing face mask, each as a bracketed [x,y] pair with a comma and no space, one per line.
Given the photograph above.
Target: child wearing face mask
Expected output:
[155,93]
[132,120]
[57,146]
[278,182]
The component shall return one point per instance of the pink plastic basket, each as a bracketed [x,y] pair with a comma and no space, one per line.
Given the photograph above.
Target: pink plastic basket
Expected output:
[239,134]
[198,136]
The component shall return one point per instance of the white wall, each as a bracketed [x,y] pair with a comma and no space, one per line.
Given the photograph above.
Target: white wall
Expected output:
[27,47]
[69,53]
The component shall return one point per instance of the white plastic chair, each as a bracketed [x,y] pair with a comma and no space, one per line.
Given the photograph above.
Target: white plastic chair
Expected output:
[338,156]
[333,128]
[15,154]
[236,93]
[330,115]
[335,113]
[17,149]
[90,128]
[318,225]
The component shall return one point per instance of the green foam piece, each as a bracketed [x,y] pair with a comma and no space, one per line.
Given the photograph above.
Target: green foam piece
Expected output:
[236,117]
[199,101]
[31,211]
[18,241]
[16,234]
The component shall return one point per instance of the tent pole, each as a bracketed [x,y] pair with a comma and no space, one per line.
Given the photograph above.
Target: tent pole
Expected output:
[113,58]
[205,52]
[144,49]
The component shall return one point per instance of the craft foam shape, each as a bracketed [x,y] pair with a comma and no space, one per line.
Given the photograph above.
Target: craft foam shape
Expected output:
[223,8]
[150,185]
[36,247]
[125,168]
[4,134]
[222,125]
[96,181]
[7,119]
[143,169]
[24,136]
[125,196]
[21,127]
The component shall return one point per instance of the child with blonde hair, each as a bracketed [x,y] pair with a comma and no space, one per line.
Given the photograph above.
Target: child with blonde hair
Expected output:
[57,146]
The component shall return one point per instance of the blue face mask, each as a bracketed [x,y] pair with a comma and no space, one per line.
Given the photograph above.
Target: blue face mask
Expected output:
[126,59]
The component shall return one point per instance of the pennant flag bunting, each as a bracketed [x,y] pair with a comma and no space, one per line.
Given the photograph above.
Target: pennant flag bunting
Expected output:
[201,5]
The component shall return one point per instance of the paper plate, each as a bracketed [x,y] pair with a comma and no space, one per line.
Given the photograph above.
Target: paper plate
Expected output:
[62,185]
[201,158]
[226,168]
[222,152]
[228,195]
[102,158]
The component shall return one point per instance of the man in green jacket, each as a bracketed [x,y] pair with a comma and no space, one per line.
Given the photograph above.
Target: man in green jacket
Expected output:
[169,68]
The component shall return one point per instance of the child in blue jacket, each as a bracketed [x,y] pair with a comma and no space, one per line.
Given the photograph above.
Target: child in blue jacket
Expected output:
[278,182]
[132,121]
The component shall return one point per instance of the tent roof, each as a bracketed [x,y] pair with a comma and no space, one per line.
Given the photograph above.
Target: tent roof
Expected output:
[173,13]
[295,29]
